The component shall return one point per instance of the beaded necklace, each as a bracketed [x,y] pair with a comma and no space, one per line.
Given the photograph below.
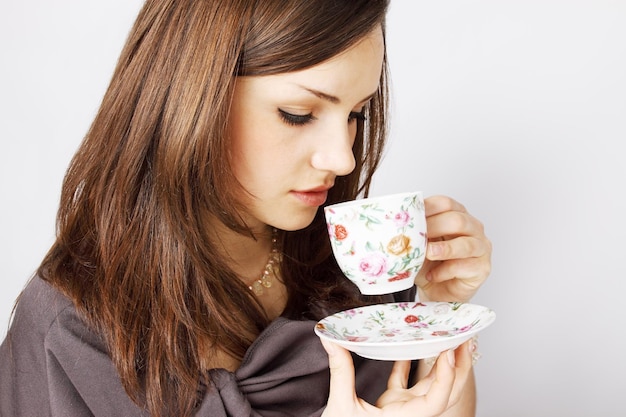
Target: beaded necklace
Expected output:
[264,282]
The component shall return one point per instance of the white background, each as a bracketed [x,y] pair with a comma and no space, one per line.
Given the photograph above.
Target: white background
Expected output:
[516,108]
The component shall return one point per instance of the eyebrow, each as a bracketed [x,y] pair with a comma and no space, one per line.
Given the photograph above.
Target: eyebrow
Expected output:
[331,98]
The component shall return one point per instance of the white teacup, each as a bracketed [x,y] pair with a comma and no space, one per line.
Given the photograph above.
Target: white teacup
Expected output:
[379,243]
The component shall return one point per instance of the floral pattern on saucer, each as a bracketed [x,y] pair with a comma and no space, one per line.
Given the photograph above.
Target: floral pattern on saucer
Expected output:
[405,330]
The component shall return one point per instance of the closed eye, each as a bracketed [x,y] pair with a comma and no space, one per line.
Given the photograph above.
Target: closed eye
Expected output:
[295,119]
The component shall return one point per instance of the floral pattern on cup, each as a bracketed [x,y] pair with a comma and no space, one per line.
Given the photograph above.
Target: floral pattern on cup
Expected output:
[378,242]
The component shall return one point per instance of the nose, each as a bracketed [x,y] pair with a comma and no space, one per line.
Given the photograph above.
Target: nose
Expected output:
[333,152]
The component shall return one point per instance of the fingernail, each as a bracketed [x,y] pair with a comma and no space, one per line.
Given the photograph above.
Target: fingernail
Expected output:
[451,358]
[429,276]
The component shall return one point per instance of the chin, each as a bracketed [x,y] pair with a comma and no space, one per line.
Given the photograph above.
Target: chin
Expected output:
[294,222]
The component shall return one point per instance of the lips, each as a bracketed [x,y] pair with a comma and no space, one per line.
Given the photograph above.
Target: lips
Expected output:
[313,197]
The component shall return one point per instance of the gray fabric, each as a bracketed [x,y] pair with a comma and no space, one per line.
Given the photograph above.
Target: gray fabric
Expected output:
[52,364]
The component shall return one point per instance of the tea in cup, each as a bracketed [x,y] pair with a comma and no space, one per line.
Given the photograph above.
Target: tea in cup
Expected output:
[380,242]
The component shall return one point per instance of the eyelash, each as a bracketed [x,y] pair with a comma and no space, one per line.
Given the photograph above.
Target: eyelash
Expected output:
[295,119]
[303,119]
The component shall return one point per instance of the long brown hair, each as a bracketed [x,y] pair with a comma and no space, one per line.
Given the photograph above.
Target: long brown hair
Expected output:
[133,251]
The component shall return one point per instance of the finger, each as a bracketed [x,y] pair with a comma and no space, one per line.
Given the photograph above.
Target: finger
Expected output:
[463,358]
[463,368]
[438,396]
[399,376]
[439,204]
[342,386]
[453,223]
[443,287]
[472,271]
[425,380]
[458,248]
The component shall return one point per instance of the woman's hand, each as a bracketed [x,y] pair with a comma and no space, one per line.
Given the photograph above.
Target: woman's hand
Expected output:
[458,257]
[434,394]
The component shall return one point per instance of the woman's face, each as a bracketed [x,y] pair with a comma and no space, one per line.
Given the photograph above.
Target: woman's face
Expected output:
[292,133]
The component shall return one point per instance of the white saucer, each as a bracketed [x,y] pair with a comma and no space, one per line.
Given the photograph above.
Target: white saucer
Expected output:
[404,331]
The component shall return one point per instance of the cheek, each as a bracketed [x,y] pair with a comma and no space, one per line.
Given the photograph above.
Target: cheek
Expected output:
[242,160]
[238,155]
[245,139]
[256,157]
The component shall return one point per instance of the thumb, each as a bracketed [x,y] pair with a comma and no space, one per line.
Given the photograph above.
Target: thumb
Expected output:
[438,395]
[342,386]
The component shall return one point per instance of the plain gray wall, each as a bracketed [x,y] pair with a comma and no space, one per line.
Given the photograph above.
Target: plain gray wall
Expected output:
[515,108]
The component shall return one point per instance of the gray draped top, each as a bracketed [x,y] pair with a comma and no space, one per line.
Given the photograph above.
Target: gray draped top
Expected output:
[53,364]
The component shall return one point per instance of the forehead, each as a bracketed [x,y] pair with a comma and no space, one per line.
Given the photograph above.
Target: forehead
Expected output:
[351,75]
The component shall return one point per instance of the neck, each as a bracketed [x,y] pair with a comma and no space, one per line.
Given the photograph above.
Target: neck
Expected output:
[247,255]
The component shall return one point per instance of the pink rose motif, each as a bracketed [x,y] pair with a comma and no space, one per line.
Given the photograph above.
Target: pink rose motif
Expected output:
[402,218]
[464,329]
[356,338]
[373,265]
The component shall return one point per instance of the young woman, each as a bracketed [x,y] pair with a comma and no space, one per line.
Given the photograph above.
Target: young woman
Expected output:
[192,258]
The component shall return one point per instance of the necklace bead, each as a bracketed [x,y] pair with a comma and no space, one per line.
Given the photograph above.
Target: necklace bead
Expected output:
[259,286]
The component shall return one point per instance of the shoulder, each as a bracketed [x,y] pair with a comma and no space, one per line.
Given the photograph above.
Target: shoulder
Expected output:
[52,359]
[24,354]
[45,317]
[46,323]
[39,306]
